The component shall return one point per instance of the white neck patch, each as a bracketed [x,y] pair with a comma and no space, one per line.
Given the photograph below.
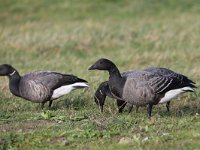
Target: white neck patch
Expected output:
[12,73]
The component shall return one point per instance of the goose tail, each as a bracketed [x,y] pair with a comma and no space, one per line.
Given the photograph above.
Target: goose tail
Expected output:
[188,89]
[80,85]
[81,80]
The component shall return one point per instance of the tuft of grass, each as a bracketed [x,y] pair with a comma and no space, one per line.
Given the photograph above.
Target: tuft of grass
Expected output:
[68,36]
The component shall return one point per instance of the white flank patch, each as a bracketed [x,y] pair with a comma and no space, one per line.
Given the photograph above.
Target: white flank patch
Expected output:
[173,94]
[63,90]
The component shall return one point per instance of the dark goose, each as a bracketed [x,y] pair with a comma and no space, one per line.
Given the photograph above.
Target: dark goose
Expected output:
[41,86]
[103,89]
[143,88]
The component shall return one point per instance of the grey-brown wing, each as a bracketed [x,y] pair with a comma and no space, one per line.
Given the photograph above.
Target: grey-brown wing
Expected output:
[144,88]
[166,79]
[138,91]
[34,91]
[38,86]
[46,78]
[183,80]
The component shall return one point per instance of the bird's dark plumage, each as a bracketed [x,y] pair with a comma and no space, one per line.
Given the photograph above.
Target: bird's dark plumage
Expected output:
[40,86]
[148,87]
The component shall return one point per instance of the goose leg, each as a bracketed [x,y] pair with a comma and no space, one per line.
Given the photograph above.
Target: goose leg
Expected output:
[130,109]
[121,104]
[42,105]
[50,103]
[101,108]
[137,107]
[167,105]
[149,109]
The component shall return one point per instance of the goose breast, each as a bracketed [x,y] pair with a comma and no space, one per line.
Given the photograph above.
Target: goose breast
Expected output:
[137,92]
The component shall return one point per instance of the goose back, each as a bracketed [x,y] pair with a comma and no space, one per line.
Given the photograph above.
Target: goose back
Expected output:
[181,80]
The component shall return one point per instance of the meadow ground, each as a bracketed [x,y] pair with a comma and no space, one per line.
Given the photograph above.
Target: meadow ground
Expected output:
[68,36]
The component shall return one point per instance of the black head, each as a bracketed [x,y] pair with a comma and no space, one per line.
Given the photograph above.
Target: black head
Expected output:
[102,64]
[6,70]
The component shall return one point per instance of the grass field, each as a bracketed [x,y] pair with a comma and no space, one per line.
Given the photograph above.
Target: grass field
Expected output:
[68,36]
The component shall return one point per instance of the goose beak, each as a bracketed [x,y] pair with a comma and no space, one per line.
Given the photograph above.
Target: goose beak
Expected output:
[92,67]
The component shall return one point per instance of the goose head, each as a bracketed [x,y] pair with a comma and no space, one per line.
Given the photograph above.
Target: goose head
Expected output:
[102,64]
[6,70]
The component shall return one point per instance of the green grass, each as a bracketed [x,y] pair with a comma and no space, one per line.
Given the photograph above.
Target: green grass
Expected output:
[68,36]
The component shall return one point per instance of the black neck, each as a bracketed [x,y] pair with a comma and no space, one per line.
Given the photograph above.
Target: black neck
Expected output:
[114,71]
[116,82]
[14,80]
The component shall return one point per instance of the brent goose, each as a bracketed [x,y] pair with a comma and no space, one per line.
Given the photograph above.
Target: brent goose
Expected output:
[41,86]
[143,88]
[103,89]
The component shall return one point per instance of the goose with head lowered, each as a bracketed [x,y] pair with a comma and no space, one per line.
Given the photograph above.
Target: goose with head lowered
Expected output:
[102,92]
[41,86]
[103,89]
[143,88]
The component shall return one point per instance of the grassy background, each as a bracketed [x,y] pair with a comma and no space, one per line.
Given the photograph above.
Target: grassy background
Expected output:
[69,35]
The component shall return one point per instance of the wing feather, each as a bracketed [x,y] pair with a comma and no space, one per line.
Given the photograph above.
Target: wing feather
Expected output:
[39,85]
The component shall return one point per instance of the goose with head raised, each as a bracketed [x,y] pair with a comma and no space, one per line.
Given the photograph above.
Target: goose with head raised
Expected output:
[41,86]
[143,88]
[103,89]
